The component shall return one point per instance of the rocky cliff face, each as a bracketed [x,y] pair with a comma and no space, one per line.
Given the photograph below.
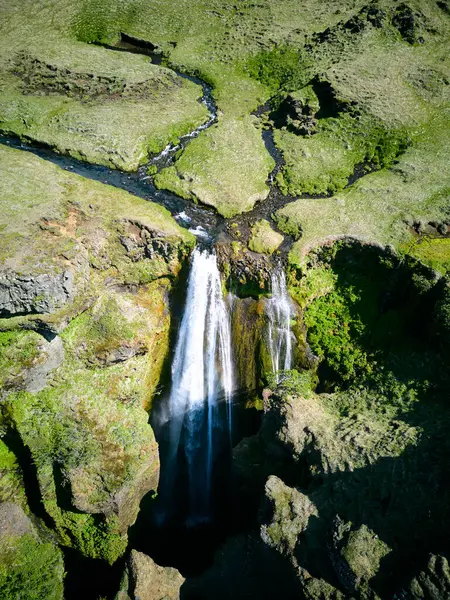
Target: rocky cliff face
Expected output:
[76,400]
[143,579]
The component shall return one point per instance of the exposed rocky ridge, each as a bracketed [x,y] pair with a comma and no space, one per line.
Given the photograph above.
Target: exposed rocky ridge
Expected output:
[21,294]
[432,583]
[46,77]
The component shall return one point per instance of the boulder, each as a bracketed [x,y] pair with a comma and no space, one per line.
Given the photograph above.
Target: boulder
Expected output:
[264,239]
[145,580]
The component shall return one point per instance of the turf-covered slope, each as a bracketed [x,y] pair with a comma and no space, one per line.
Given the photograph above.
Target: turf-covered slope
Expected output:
[105,107]
[353,84]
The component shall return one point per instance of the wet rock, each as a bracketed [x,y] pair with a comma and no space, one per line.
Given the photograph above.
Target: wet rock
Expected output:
[43,293]
[245,567]
[247,273]
[247,330]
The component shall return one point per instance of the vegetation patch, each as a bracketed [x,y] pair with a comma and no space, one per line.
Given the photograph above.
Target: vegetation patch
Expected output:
[226,167]
[30,568]
[264,239]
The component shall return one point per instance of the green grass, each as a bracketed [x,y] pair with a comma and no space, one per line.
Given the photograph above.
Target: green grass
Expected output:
[18,351]
[11,482]
[378,207]
[248,53]
[434,252]
[51,221]
[225,167]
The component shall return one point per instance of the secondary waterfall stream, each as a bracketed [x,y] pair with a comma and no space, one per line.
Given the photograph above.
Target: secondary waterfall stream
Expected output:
[199,407]
[280,313]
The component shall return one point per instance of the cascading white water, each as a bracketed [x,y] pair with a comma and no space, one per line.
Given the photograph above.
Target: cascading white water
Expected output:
[280,312]
[201,380]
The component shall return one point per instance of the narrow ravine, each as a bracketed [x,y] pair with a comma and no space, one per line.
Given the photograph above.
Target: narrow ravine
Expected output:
[202,221]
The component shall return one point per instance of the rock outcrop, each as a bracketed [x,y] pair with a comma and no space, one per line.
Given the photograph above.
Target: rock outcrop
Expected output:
[143,579]
[23,294]
[433,583]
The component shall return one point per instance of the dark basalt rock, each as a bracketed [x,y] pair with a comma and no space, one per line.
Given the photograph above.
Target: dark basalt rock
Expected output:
[43,293]
[247,273]
[406,21]
[142,242]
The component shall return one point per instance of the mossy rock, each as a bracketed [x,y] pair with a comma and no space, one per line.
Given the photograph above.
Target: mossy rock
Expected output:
[30,566]
[226,167]
[264,239]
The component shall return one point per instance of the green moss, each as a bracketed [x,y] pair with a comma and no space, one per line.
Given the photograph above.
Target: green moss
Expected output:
[101,331]
[30,569]
[264,239]
[324,162]
[11,482]
[279,67]
[378,206]
[90,423]
[18,351]
[292,382]
[434,252]
[226,167]
[363,552]
[358,341]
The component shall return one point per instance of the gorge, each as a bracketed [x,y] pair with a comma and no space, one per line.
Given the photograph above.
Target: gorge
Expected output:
[224,300]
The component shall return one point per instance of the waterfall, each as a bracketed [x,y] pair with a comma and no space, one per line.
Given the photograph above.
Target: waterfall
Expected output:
[202,382]
[280,313]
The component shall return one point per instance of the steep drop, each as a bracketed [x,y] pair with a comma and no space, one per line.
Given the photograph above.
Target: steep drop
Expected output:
[199,407]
